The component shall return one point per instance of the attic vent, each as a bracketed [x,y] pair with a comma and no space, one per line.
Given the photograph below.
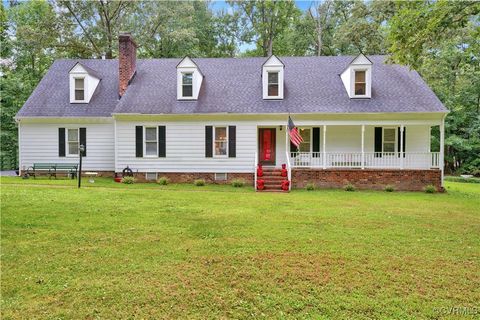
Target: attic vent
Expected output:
[151,176]
[220,176]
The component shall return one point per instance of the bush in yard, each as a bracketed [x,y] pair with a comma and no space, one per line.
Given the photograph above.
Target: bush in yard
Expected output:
[310,186]
[163,181]
[128,180]
[199,182]
[238,183]
[389,188]
[349,187]
[430,189]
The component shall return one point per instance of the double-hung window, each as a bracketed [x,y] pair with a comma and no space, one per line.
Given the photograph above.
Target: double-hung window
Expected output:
[389,139]
[79,89]
[151,141]
[221,141]
[305,145]
[273,84]
[187,85]
[360,83]
[73,140]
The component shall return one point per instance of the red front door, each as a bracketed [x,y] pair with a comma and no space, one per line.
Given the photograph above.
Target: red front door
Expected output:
[266,145]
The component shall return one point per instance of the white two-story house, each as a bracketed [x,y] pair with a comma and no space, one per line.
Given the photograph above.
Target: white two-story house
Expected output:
[363,121]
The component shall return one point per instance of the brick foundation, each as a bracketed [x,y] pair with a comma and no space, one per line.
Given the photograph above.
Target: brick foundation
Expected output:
[402,180]
[189,177]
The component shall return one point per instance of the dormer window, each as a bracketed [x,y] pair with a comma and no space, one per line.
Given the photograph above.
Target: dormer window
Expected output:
[360,83]
[80,89]
[272,79]
[187,85]
[189,80]
[357,78]
[273,84]
[83,83]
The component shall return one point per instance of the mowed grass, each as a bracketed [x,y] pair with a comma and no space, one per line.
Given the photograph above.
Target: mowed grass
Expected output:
[147,251]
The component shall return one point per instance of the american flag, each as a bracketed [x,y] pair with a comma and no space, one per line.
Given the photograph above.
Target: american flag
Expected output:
[295,137]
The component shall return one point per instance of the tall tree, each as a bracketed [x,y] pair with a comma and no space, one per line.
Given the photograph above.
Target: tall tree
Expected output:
[320,13]
[26,56]
[441,40]
[97,24]
[265,20]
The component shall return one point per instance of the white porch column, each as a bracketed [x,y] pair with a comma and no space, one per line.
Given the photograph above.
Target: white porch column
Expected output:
[323,147]
[401,146]
[442,146]
[363,146]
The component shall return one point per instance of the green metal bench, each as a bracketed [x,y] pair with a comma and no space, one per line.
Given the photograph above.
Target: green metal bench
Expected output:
[52,169]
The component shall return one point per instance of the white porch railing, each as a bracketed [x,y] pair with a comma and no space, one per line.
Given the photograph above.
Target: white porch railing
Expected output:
[409,160]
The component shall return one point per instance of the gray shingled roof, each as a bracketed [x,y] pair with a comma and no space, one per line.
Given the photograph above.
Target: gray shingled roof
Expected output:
[51,98]
[233,85]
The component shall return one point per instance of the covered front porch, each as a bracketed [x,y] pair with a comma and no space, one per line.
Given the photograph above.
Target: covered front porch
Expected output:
[381,153]
[379,145]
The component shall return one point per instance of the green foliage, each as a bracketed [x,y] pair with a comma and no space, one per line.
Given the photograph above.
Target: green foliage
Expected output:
[440,40]
[199,182]
[238,183]
[461,179]
[163,181]
[310,186]
[128,180]
[349,187]
[389,188]
[264,20]
[430,189]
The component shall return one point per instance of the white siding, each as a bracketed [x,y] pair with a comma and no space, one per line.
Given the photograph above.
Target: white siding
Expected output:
[343,139]
[39,143]
[185,148]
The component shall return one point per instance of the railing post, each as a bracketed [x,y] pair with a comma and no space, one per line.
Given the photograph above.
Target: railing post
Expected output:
[363,146]
[401,146]
[323,147]
[442,146]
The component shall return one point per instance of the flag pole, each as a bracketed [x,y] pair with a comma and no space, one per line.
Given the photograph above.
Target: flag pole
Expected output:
[286,137]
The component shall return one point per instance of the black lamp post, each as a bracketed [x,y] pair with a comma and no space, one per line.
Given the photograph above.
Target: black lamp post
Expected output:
[81,149]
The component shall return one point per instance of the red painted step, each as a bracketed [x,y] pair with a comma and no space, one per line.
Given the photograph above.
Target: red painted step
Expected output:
[273,179]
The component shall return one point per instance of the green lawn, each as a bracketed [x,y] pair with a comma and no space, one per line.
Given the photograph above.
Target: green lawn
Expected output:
[144,251]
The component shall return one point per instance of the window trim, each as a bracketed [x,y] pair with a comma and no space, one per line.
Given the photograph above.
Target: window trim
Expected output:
[395,142]
[215,155]
[67,143]
[311,139]
[84,78]
[145,155]
[182,84]
[355,82]
[278,83]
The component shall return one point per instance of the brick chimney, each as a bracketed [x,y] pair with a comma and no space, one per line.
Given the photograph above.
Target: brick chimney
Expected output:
[127,61]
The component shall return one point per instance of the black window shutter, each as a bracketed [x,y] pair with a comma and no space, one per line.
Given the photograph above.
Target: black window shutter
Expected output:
[83,140]
[208,141]
[61,142]
[316,141]
[232,141]
[404,140]
[162,141]
[139,141]
[293,148]
[378,142]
